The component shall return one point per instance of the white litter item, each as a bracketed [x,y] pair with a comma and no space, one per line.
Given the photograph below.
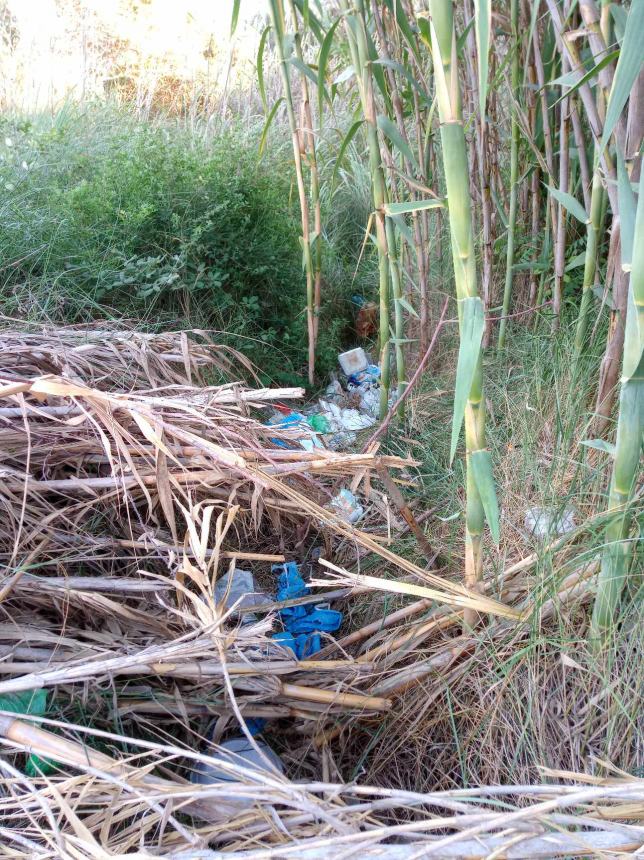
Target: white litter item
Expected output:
[353,360]
[238,752]
[334,391]
[370,401]
[352,419]
[549,522]
[346,505]
[341,441]
[345,419]
[239,585]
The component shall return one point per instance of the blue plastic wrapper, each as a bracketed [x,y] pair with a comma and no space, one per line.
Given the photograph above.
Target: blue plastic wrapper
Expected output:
[370,376]
[303,624]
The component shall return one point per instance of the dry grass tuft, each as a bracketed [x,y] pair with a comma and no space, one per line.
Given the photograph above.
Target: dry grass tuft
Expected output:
[127,491]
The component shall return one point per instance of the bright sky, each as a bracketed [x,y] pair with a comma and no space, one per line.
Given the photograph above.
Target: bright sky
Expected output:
[58,46]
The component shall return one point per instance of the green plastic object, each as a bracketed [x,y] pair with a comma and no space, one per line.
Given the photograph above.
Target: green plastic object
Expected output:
[319,423]
[31,703]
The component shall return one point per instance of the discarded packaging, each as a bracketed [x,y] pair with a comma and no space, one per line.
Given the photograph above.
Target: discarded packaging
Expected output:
[345,419]
[549,522]
[303,624]
[334,392]
[238,752]
[346,505]
[353,360]
[341,441]
[238,587]
[307,425]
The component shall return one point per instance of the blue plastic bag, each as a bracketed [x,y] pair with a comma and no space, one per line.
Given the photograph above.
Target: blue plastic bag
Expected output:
[303,624]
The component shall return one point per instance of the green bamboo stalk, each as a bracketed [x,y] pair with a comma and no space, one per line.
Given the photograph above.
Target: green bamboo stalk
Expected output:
[276,9]
[355,26]
[454,152]
[514,173]
[618,550]
[590,263]
[311,157]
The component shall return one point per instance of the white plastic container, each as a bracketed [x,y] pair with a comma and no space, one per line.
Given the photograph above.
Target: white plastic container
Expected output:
[353,360]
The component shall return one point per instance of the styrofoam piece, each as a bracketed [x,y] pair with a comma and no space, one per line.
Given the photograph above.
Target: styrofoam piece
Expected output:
[353,360]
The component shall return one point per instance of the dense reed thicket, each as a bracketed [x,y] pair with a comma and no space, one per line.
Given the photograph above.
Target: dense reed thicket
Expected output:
[472,172]
[440,98]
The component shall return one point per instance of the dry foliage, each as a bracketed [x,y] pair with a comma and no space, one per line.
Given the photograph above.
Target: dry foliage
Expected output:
[126,492]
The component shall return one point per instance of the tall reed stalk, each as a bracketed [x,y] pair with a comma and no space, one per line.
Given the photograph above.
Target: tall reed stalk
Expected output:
[618,551]
[469,382]
[514,171]
[276,9]
[310,151]
[355,26]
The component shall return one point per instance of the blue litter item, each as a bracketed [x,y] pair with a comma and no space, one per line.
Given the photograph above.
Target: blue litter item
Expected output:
[358,300]
[286,639]
[319,619]
[255,725]
[303,624]
[370,376]
[302,646]
[293,419]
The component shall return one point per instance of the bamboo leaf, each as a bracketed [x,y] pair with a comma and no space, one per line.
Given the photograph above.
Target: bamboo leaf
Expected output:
[570,203]
[634,326]
[343,148]
[235,17]
[604,296]
[390,130]
[499,208]
[574,80]
[344,75]
[407,306]
[481,463]
[405,27]
[619,19]
[576,261]
[323,60]
[304,70]
[460,42]
[599,445]
[392,209]
[425,32]
[310,19]
[627,211]
[260,67]
[472,325]
[267,124]
[483,24]
[533,266]
[413,83]
[628,68]
[403,229]
[377,71]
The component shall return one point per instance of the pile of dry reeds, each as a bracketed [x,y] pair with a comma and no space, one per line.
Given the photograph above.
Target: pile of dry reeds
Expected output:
[126,492]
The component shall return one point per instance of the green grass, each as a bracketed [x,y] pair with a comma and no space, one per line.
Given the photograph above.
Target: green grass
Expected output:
[539,696]
[107,216]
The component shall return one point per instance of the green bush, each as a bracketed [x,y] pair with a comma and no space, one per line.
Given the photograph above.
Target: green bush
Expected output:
[107,216]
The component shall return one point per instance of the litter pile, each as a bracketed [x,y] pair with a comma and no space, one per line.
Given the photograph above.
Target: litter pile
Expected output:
[336,419]
[158,610]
